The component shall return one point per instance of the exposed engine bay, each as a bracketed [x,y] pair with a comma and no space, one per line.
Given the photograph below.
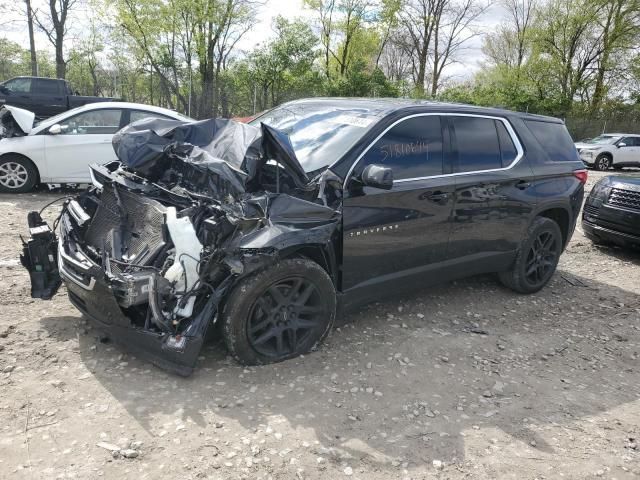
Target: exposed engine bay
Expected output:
[152,248]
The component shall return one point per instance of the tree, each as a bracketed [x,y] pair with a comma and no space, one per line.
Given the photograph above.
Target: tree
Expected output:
[32,41]
[620,25]
[220,24]
[435,31]
[54,24]
[277,67]
[341,23]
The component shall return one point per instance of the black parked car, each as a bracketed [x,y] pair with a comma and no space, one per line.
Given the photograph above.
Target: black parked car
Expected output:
[612,212]
[267,229]
[45,97]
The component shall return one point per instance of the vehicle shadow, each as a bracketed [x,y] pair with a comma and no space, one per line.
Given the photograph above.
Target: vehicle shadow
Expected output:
[620,253]
[410,380]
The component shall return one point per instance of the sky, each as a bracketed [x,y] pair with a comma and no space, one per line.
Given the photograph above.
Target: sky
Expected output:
[469,61]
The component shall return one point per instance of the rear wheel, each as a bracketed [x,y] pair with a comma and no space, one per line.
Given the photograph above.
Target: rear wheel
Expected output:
[17,174]
[603,163]
[537,258]
[279,313]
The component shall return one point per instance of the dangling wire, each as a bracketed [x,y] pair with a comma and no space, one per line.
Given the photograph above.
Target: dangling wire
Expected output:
[52,202]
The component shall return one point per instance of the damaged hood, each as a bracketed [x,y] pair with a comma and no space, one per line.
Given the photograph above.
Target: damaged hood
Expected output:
[208,152]
[15,122]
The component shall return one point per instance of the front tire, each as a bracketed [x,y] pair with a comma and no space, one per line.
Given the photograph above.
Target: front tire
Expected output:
[279,313]
[537,258]
[603,163]
[17,174]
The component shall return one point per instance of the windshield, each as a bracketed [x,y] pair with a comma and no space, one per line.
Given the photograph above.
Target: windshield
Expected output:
[603,139]
[320,133]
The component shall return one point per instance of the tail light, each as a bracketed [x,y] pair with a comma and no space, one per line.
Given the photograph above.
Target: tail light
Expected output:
[581,175]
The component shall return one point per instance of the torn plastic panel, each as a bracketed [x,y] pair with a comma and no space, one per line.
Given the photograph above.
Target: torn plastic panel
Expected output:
[15,122]
[151,251]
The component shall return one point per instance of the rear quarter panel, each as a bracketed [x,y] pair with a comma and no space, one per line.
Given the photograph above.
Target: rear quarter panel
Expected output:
[555,184]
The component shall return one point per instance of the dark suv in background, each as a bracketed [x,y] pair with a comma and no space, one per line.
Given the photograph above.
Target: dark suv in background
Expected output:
[267,229]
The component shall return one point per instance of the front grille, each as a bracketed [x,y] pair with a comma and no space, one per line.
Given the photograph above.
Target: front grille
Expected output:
[591,210]
[143,236]
[624,199]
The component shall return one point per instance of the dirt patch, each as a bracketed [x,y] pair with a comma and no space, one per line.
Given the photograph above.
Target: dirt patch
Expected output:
[465,380]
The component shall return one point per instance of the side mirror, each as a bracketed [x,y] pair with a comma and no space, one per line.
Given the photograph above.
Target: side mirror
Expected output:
[55,129]
[4,89]
[377,176]
[622,144]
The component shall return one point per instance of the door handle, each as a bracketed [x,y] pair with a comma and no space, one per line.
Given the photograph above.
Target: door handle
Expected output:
[523,185]
[437,196]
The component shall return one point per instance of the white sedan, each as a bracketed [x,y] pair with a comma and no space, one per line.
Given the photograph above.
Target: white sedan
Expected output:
[61,148]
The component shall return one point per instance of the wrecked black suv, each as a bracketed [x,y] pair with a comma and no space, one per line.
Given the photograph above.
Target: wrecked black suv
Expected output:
[267,229]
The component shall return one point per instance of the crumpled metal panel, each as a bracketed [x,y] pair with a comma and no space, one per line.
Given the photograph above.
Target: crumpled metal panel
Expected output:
[234,152]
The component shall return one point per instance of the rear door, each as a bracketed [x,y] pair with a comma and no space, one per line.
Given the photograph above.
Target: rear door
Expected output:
[49,96]
[388,234]
[85,139]
[493,197]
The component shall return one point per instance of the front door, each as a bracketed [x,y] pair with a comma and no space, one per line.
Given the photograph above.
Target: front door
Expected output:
[388,234]
[85,139]
[629,153]
[494,190]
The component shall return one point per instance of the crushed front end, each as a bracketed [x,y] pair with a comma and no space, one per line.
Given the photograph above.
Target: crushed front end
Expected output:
[148,254]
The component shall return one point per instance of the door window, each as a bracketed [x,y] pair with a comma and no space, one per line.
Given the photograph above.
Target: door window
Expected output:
[478,144]
[140,114]
[631,141]
[412,148]
[46,87]
[96,122]
[19,85]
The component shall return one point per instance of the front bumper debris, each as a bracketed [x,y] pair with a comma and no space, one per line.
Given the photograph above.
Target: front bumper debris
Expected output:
[101,300]
[39,258]
[151,250]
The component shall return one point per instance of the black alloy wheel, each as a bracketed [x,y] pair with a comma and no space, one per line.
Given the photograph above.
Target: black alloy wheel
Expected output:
[537,258]
[279,312]
[542,258]
[285,316]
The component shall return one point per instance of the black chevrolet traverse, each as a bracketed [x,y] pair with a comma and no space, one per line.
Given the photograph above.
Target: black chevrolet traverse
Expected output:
[267,229]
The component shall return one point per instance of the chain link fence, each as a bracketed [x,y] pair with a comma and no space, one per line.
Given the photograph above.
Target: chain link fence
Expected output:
[582,127]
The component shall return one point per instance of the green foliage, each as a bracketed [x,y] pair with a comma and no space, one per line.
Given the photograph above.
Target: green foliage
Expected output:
[571,58]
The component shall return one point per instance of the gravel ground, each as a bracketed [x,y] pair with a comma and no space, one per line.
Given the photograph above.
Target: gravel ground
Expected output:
[465,380]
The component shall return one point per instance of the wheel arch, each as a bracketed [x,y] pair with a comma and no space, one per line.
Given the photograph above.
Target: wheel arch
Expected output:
[320,254]
[562,217]
[23,157]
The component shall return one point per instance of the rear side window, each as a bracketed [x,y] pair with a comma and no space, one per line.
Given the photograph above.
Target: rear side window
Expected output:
[477,143]
[508,151]
[45,87]
[412,148]
[554,139]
